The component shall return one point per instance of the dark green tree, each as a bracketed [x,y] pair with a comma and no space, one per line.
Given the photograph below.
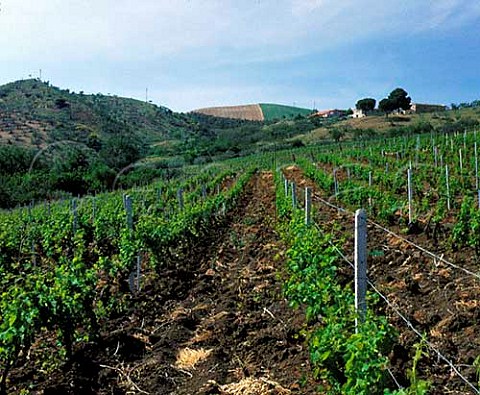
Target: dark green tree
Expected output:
[386,105]
[401,99]
[398,99]
[94,142]
[366,105]
[337,133]
[120,151]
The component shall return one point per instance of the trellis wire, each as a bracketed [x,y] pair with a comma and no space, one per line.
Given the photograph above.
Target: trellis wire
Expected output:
[435,256]
[410,325]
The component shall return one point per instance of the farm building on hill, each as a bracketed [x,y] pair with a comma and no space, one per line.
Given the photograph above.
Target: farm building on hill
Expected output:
[328,113]
[358,113]
[418,108]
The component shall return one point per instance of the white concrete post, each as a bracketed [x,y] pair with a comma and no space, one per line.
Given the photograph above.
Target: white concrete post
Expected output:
[448,187]
[75,215]
[460,158]
[294,195]
[308,205]
[129,211]
[476,166]
[180,198]
[360,266]
[410,195]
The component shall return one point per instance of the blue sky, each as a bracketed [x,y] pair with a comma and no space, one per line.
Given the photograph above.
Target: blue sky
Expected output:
[200,53]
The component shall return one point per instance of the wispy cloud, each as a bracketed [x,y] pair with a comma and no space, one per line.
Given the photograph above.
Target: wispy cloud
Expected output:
[123,28]
[195,49]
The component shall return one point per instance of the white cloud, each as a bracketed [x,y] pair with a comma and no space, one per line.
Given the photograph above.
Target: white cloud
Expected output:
[87,41]
[122,29]
[449,13]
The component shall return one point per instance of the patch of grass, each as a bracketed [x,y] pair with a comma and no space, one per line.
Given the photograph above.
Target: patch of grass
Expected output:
[277,111]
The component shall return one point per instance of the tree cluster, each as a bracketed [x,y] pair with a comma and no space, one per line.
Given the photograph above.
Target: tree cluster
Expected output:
[398,99]
[366,105]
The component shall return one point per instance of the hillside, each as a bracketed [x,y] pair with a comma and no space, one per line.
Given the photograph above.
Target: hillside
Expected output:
[398,125]
[250,112]
[278,111]
[34,113]
[255,112]
[55,143]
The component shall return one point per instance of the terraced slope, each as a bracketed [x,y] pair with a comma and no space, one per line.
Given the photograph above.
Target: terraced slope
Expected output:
[250,112]
[255,112]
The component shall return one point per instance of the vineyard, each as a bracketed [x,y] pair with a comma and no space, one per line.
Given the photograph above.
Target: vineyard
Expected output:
[239,278]
[256,112]
[251,112]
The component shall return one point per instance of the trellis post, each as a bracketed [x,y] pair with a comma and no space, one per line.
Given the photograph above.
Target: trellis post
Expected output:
[129,211]
[294,195]
[410,195]
[360,266]
[308,205]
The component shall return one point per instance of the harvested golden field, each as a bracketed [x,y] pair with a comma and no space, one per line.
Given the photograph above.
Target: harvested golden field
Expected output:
[250,112]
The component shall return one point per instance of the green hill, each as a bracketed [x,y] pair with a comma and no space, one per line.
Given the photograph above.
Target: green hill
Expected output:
[34,113]
[54,141]
[255,112]
[278,111]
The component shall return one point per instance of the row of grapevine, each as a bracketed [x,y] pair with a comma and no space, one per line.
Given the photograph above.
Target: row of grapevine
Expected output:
[442,177]
[63,268]
[349,360]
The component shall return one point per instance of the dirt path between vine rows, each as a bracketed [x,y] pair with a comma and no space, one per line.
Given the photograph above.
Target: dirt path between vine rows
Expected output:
[219,326]
[440,301]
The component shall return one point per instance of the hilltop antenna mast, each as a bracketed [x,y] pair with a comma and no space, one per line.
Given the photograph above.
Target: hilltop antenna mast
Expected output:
[146,95]
[40,77]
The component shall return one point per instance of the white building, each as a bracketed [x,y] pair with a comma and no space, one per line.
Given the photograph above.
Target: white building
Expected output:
[358,113]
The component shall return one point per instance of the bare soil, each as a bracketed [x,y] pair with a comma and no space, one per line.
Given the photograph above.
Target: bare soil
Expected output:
[217,324]
[251,112]
[441,302]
